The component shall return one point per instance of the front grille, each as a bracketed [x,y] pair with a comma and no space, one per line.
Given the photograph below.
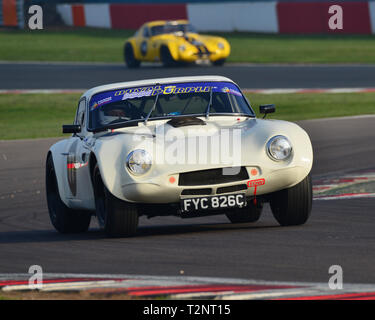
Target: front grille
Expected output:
[196,192]
[235,188]
[211,176]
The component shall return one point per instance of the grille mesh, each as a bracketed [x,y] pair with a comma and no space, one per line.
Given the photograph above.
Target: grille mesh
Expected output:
[211,176]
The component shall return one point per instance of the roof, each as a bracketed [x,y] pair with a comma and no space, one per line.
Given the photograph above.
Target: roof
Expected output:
[149,82]
[163,22]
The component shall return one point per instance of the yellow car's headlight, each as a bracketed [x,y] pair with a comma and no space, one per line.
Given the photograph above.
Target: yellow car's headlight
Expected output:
[220,45]
[182,47]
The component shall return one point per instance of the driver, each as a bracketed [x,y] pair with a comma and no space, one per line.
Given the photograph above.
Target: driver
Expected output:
[116,113]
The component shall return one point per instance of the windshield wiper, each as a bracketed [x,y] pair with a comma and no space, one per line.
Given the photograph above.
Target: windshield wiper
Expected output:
[209,105]
[152,109]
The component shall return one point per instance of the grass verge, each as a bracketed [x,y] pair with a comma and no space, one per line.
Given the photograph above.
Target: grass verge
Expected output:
[25,116]
[102,45]
[304,106]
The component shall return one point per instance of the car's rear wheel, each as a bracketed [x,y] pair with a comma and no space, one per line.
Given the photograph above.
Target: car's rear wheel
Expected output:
[166,57]
[219,62]
[250,213]
[64,219]
[116,217]
[292,206]
[129,57]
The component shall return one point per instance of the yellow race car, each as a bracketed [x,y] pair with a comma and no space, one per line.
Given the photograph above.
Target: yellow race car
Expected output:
[173,43]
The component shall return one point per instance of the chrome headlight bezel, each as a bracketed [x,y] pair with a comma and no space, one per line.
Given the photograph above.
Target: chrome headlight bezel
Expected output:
[271,154]
[140,166]
[220,45]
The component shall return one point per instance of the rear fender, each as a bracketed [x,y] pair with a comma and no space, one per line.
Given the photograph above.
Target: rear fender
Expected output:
[58,152]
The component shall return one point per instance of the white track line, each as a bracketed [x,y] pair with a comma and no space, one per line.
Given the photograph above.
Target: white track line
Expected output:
[137,281]
[308,90]
[41,91]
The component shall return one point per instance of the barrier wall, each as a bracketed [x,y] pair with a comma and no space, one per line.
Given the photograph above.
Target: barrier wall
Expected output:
[11,13]
[262,16]
[313,17]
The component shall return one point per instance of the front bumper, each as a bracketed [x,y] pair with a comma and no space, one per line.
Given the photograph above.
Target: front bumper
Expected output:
[163,190]
[198,56]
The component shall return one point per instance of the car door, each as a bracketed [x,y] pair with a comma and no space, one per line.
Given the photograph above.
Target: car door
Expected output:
[144,44]
[79,179]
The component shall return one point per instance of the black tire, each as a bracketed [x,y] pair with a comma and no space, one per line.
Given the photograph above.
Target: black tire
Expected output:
[129,58]
[219,62]
[250,213]
[292,206]
[166,57]
[64,219]
[116,217]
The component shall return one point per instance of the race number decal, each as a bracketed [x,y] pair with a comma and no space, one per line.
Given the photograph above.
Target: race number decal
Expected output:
[144,48]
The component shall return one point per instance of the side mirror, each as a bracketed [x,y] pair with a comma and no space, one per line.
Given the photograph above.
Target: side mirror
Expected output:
[267,108]
[71,128]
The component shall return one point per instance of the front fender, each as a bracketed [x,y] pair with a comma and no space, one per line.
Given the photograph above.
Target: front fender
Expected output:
[173,49]
[111,155]
[133,43]
[302,157]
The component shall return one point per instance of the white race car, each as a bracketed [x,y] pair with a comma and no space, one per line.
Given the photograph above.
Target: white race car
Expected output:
[186,146]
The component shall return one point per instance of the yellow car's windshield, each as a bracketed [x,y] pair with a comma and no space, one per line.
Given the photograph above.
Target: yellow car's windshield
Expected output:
[171,28]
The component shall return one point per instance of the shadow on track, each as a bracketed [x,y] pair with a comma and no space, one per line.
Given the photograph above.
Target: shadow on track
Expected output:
[35,236]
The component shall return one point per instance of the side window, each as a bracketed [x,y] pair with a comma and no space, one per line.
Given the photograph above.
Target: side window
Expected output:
[80,117]
[146,32]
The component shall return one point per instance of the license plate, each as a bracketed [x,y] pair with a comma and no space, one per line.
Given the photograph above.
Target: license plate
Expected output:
[213,203]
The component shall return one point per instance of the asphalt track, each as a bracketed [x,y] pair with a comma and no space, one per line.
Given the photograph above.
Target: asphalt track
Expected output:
[84,76]
[339,232]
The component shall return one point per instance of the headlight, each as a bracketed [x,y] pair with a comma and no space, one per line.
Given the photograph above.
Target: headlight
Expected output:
[139,162]
[182,47]
[279,148]
[220,45]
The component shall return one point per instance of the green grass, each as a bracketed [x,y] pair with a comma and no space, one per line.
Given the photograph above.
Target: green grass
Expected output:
[101,45]
[94,45]
[303,106]
[301,48]
[27,116]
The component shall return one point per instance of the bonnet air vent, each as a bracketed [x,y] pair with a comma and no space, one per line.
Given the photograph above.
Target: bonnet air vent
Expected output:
[186,121]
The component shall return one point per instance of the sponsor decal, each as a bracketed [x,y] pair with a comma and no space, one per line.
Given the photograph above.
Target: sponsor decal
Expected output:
[136,94]
[101,99]
[232,91]
[144,48]
[254,184]
[77,165]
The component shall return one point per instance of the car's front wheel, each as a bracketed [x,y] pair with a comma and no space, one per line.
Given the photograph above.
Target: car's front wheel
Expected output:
[129,57]
[250,213]
[64,219]
[118,218]
[166,57]
[292,206]
[219,62]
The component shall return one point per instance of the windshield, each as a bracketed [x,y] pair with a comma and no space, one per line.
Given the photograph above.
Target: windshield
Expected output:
[134,104]
[171,28]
